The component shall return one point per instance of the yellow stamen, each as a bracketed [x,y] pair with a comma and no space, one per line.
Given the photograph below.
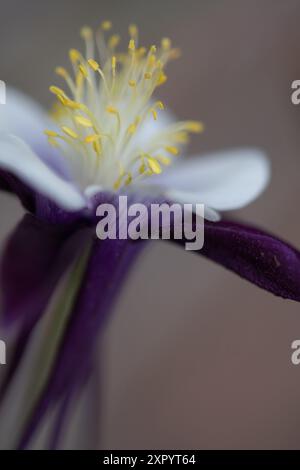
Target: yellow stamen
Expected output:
[195,126]
[50,133]
[106,25]
[154,165]
[83,121]
[131,129]
[94,64]
[163,159]
[79,81]
[154,114]
[172,150]
[86,33]
[57,91]
[113,65]
[97,147]
[83,70]
[123,86]
[61,71]
[166,44]
[133,31]
[112,110]
[162,79]
[128,180]
[181,137]
[92,138]
[131,45]
[142,168]
[113,41]
[69,132]
[75,56]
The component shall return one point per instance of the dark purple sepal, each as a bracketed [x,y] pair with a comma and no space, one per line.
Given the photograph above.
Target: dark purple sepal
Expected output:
[34,258]
[12,184]
[255,255]
[106,272]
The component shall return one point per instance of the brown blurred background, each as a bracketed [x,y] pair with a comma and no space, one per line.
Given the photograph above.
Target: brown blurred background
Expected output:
[194,357]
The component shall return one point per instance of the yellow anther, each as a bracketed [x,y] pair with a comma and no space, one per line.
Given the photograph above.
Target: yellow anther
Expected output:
[154,114]
[162,79]
[159,65]
[122,86]
[57,91]
[79,80]
[113,41]
[118,183]
[171,149]
[71,104]
[83,70]
[106,25]
[62,99]
[92,138]
[69,132]
[133,31]
[181,137]
[83,121]
[142,168]
[131,45]
[74,56]
[128,179]
[154,165]
[166,44]
[141,51]
[112,110]
[152,61]
[131,129]
[61,71]
[163,159]
[113,65]
[94,64]
[97,147]
[195,126]
[50,133]
[86,32]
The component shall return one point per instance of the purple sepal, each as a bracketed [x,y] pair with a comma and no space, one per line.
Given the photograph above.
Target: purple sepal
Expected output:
[106,271]
[12,184]
[34,258]
[255,255]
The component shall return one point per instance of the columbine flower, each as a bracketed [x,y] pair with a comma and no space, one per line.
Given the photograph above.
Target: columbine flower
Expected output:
[109,135]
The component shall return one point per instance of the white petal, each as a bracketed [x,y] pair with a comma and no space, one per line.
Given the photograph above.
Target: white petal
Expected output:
[17,158]
[23,117]
[225,181]
[211,215]
[150,128]
[92,190]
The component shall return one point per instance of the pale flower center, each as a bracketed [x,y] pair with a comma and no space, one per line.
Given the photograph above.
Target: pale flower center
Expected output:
[104,116]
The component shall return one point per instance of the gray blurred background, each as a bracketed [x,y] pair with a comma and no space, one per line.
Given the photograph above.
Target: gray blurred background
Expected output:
[194,357]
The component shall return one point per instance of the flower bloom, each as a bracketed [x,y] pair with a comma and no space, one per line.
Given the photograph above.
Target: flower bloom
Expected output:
[107,136]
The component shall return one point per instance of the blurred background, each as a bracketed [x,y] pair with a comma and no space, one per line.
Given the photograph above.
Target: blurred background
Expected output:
[193,357]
